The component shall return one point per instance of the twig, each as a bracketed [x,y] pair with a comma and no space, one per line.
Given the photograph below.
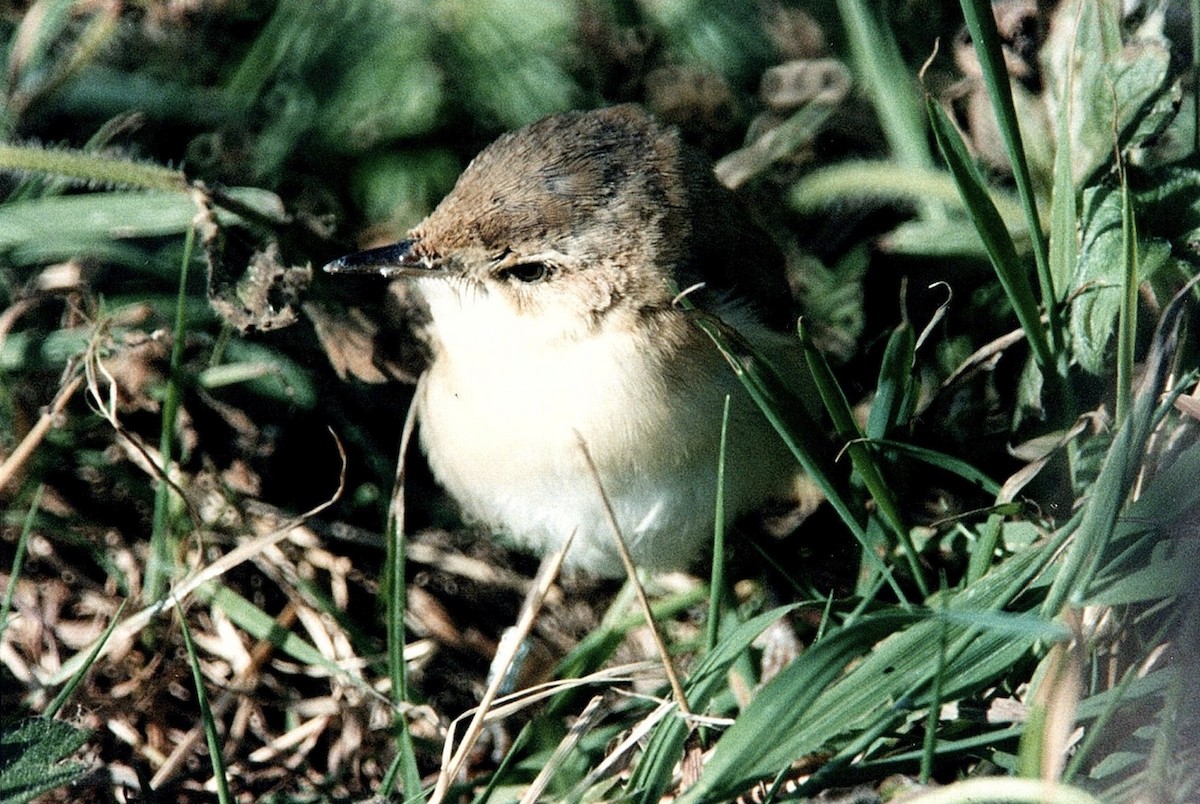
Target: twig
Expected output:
[505,656]
[33,438]
[631,571]
[136,622]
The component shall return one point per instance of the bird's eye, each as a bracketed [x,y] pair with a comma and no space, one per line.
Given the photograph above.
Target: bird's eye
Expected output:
[527,272]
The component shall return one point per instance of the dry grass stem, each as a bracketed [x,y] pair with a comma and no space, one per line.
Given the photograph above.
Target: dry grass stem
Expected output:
[639,590]
[506,655]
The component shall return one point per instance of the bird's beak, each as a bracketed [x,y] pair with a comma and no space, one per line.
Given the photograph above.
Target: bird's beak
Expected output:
[398,259]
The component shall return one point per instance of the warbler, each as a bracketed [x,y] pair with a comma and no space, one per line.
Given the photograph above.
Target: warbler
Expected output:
[551,274]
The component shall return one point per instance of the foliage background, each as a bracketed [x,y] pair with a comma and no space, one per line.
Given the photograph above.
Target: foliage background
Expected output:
[1030,481]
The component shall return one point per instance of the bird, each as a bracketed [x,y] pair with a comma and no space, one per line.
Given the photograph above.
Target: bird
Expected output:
[550,276]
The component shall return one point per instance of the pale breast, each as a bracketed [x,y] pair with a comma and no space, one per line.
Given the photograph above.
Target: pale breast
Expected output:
[499,427]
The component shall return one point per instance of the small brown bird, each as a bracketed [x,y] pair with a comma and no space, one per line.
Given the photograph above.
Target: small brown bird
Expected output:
[551,273]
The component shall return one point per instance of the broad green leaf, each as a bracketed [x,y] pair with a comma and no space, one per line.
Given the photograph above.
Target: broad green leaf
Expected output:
[1099,281]
[33,758]
[1112,89]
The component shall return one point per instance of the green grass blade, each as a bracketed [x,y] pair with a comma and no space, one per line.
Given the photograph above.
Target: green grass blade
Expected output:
[887,79]
[768,718]
[263,627]
[1127,318]
[1099,517]
[894,387]
[716,584]
[801,711]
[397,602]
[929,746]
[940,460]
[995,237]
[653,773]
[881,182]
[1064,218]
[860,454]
[598,646]
[19,558]
[65,693]
[91,168]
[797,429]
[215,756]
[986,38]
[160,565]
[1195,4]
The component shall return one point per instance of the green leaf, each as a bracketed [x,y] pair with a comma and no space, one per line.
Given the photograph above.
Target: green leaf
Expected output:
[267,372]
[864,461]
[75,222]
[798,429]
[893,391]
[877,181]
[988,48]
[762,738]
[992,231]
[33,758]
[1111,90]
[812,705]
[1099,281]
[885,77]
[653,772]
[215,756]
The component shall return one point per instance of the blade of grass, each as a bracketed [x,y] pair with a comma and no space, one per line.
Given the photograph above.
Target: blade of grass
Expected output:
[789,718]
[929,746]
[206,716]
[510,756]
[860,455]
[1064,218]
[65,693]
[653,771]
[90,168]
[797,430]
[1098,518]
[790,693]
[985,549]
[1195,76]
[948,463]
[1127,318]
[995,237]
[716,584]
[397,602]
[161,562]
[1064,221]
[14,574]
[863,180]
[888,81]
[982,25]
[1110,701]
[894,386]
[785,139]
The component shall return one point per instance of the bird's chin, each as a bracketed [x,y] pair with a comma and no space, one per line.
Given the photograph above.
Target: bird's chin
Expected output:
[485,321]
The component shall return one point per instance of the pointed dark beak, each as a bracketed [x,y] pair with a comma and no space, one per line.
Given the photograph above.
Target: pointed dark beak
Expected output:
[398,259]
